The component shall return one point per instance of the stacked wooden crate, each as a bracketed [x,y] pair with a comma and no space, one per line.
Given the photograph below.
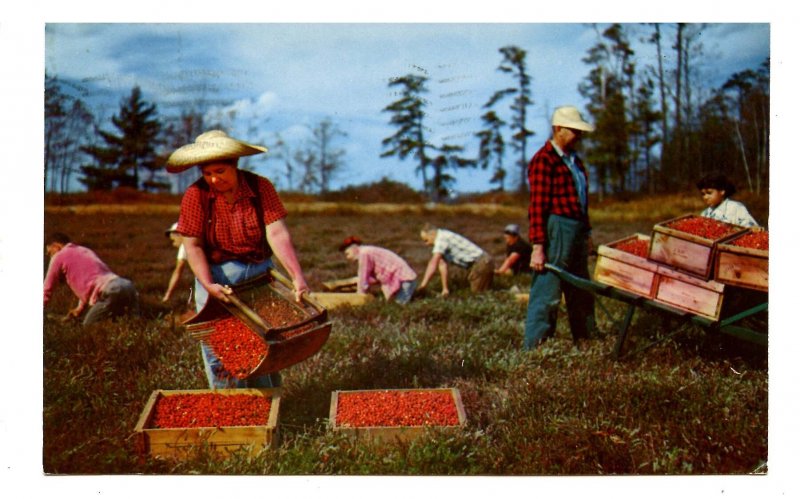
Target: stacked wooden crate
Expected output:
[684,270]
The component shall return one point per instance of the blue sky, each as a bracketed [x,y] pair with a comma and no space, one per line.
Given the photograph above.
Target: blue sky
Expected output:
[284,78]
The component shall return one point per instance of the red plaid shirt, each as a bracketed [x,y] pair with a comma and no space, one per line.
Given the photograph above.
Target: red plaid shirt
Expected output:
[552,191]
[236,224]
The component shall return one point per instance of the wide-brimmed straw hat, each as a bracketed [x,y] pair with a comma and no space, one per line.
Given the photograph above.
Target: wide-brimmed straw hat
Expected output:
[214,145]
[570,117]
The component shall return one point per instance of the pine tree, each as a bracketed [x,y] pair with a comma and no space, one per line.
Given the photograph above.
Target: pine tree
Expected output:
[608,148]
[118,162]
[492,147]
[408,115]
[513,63]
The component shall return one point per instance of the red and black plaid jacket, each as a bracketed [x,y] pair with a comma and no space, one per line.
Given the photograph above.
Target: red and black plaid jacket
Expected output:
[552,192]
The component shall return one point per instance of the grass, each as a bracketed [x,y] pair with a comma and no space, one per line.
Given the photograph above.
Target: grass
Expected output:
[695,404]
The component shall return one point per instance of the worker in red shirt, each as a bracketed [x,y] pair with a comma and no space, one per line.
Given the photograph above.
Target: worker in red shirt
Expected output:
[559,231]
[101,293]
[382,266]
[232,223]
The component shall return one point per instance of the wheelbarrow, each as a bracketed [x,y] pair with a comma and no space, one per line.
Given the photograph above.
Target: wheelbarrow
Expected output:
[733,323]
[290,331]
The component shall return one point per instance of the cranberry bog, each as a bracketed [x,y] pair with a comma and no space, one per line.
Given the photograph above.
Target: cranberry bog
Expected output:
[693,404]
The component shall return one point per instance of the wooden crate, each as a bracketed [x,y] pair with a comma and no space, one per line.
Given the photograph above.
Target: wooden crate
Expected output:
[392,433]
[740,266]
[625,270]
[692,294]
[334,300]
[341,285]
[183,442]
[687,252]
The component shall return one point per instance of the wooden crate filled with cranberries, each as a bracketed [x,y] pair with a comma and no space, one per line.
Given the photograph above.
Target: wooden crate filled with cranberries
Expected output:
[397,414]
[623,264]
[178,423]
[744,261]
[688,243]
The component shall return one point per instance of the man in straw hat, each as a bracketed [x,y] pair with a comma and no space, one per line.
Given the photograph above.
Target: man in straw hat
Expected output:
[559,231]
[232,222]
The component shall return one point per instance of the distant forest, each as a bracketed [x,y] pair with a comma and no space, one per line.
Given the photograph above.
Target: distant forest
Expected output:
[658,128]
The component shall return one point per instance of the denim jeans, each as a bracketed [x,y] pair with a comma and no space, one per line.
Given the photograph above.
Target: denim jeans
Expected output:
[118,297]
[566,247]
[230,273]
[405,292]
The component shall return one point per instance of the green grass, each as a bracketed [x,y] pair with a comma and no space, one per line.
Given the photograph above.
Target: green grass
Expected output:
[693,404]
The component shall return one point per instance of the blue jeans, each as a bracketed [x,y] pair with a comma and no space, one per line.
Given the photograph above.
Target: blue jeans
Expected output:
[230,273]
[118,297]
[405,292]
[567,248]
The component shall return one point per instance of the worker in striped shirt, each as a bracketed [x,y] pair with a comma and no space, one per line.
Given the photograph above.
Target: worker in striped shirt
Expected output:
[452,248]
[380,266]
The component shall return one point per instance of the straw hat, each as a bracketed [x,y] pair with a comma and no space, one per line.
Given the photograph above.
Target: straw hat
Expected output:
[570,117]
[214,145]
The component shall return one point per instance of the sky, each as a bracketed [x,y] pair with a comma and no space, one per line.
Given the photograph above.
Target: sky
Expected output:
[264,69]
[283,79]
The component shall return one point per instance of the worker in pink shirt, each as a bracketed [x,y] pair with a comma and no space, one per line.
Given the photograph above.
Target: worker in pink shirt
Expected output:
[106,294]
[381,266]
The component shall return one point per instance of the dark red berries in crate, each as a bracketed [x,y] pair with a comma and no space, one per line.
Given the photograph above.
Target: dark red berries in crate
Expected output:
[396,408]
[704,227]
[210,410]
[753,240]
[636,247]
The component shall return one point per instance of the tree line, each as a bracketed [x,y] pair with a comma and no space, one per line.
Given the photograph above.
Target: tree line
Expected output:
[659,127]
